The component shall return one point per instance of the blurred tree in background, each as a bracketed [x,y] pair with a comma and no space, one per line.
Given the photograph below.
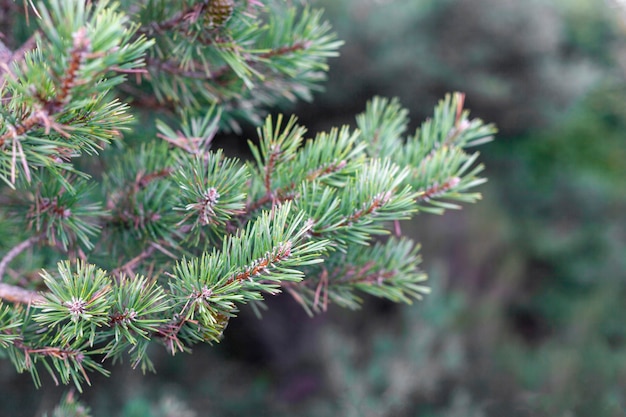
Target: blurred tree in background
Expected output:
[525,317]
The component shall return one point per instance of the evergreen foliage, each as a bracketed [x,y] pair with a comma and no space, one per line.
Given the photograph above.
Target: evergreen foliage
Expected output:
[160,239]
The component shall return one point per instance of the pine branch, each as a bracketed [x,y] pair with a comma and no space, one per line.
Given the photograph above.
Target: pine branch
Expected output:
[180,236]
[241,77]
[39,117]
[387,270]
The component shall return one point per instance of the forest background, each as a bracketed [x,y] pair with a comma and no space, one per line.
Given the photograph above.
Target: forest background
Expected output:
[526,315]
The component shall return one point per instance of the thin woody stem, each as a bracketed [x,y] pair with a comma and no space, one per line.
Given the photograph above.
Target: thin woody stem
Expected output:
[260,266]
[137,260]
[284,193]
[7,57]
[24,126]
[175,20]
[377,202]
[436,190]
[69,79]
[128,266]
[13,253]
[15,294]
[269,167]
[53,352]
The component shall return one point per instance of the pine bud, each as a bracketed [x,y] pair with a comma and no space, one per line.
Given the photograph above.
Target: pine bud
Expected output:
[220,11]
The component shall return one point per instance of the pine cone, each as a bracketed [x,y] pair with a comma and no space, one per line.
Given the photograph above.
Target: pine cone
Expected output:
[220,11]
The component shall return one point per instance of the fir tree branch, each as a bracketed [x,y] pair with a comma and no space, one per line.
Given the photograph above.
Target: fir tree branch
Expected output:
[387,270]
[262,265]
[54,105]
[66,95]
[377,201]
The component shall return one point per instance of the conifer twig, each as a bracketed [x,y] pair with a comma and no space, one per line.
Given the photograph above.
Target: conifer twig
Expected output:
[437,189]
[128,266]
[15,251]
[178,18]
[284,194]
[53,352]
[175,69]
[7,56]
[15,294]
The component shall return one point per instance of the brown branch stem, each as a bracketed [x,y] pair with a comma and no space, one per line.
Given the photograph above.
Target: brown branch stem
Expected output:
[377,202]
[24,126]
[285,193]
[436,189]
[53,352]
[178,18]
[13,253]
[15,294]
[260,266]
[128,266]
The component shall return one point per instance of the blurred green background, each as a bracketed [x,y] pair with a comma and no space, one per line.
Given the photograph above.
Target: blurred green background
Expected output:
[529,286]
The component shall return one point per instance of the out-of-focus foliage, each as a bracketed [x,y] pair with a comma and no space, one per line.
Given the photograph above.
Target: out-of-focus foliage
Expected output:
[519,61]
[571,238]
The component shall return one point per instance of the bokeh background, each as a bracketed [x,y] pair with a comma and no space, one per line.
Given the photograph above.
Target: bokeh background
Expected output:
[527,314]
